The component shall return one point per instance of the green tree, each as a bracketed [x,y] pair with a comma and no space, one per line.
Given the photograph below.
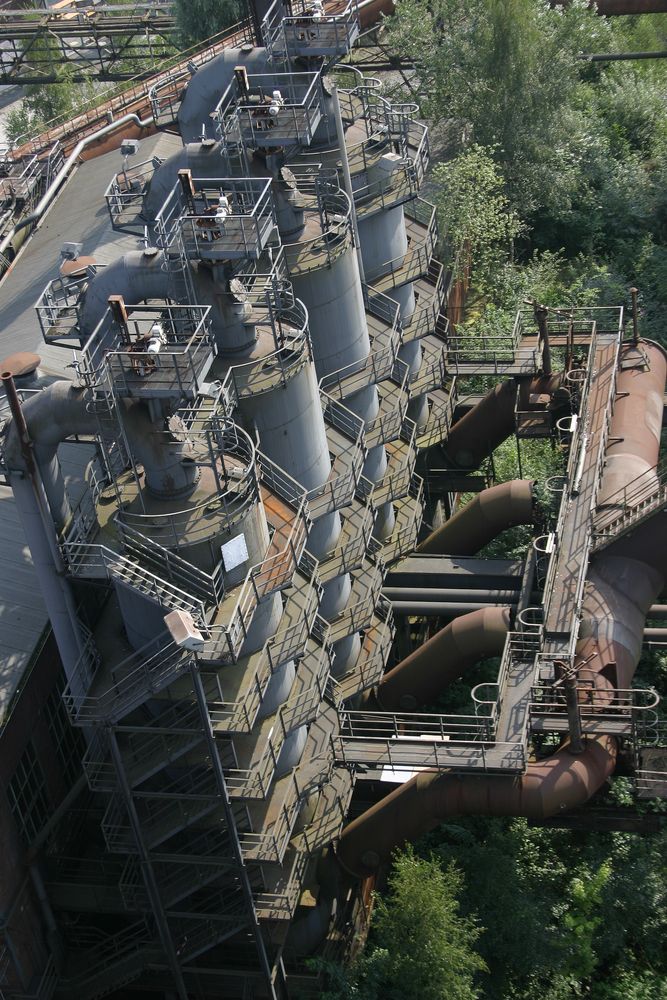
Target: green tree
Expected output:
[421,947]
[507,73]
[197,20]
[474,210]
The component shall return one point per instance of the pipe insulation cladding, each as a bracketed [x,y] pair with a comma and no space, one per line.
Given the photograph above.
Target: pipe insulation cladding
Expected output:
[421,676]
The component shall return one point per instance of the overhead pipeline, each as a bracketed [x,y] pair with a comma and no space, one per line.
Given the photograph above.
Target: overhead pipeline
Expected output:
[492,420]
[480,521]
[622,584]
[423,675]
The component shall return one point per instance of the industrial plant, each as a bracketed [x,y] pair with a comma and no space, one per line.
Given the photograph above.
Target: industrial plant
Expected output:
[247,446]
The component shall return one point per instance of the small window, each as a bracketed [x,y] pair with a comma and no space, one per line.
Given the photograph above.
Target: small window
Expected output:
[27,795]
[68,742]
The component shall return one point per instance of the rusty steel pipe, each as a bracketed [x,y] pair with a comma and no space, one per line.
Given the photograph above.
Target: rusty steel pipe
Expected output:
[491,421]
[480,521]
[421,676]
[558,784]
[623,582]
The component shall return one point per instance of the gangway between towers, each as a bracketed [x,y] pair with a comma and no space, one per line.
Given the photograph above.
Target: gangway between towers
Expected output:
[410,741]
[630,506]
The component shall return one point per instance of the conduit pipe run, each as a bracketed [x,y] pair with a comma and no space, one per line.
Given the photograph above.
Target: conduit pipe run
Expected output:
[480,521]
[558,784]
[64,171]
[421,676]
[62,410]
[623,582]
[491,421]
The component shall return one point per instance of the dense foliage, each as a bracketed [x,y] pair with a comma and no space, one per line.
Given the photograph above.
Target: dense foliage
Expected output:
[553,174]
[575,152]
[198,20]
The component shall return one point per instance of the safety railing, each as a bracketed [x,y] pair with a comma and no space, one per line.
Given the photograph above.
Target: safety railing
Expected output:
[59,306]
[412,740]
[312,675]
[125,194]
[276,109]
[163,352]
[422,230]
[632,503]
[225,450]
[427,316]
[287,319]
[387,310]
[594,702]
[164,811]
[408,514]
[432,372]
[125,686]
[206,587]
[520,647]
[366,593]
[396,481]
[393,397]
[281,905]
[309,30]
[116,959]
[225,641]
[322,198]
[93,560]
[390,128]
[352,545]
[272,843]
[579,322]
[376,645]
[375,367]
[651,784]
[347,466]
[222,218]
[440,419]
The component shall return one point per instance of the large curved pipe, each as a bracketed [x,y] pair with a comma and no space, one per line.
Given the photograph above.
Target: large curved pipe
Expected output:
[637,421]
[622,583]
[421,676]
[146,274]
[488,513]
[62,410]
[203,159]
[558,784]
[136,276]
[206,87]
[491,421]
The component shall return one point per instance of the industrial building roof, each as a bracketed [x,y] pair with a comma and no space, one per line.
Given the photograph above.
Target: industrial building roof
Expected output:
[78,215]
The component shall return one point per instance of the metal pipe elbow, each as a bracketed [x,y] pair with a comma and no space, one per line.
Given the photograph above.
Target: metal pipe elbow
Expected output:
[480,521]
[421,676]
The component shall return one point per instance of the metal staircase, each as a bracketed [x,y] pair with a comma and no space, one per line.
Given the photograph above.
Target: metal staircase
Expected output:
[631,506]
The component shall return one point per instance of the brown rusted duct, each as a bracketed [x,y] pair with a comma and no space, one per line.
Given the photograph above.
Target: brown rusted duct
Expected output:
[622,583]
[614,8]
[555,785]
[491,421]
[634,438]
[490,512]
[421,676]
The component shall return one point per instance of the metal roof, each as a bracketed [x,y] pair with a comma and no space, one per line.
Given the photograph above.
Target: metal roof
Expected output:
[78,214]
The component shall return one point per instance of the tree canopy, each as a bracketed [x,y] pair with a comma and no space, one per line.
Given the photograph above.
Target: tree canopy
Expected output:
[198,20]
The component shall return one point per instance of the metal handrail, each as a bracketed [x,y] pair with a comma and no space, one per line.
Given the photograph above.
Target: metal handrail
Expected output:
[295,120]
[300,32]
